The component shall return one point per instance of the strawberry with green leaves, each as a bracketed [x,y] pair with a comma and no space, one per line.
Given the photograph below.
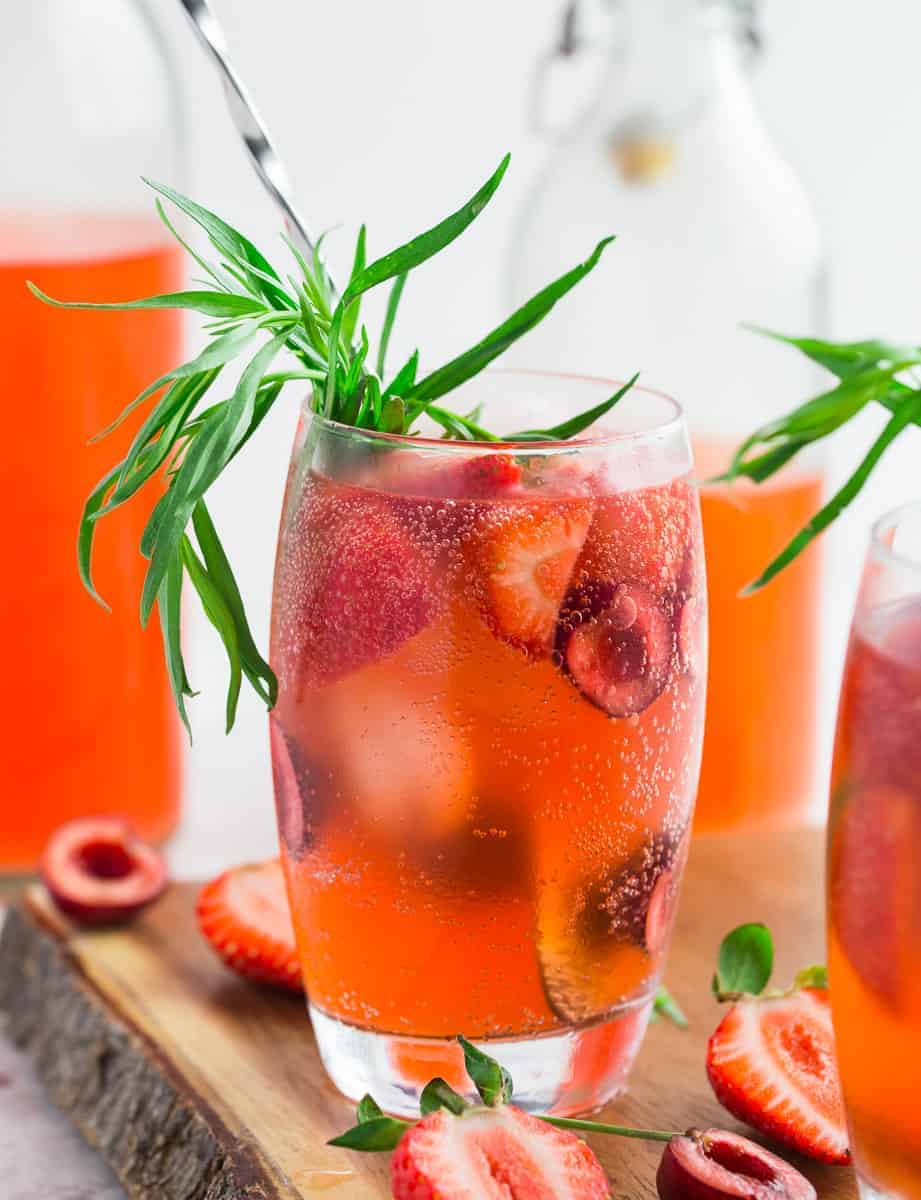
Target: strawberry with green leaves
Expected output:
[494,1151]
[771,1061]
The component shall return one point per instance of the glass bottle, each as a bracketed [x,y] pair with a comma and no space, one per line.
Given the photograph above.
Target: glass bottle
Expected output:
[714,228]
[90,102]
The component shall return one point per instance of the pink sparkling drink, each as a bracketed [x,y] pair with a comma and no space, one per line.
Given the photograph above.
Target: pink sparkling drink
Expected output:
[492,670]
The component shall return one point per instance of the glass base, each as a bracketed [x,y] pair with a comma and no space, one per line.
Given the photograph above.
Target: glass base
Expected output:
[565,1072]
[872,1191]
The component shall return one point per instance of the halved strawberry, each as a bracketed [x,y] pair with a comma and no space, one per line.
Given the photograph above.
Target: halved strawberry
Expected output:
[494,1154]
[524,562]
[244,914]
[644,535]
[354,586]
[771,1063]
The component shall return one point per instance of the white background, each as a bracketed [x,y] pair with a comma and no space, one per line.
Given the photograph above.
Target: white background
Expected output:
[388,112]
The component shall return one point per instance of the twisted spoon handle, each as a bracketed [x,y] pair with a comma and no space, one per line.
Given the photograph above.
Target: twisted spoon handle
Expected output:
[250,126]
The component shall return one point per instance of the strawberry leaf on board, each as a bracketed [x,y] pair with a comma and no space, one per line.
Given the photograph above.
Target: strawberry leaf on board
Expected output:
[815,976]
[746,962]
[373,1136]
[436,1094]
[368,1108]
[491,1080]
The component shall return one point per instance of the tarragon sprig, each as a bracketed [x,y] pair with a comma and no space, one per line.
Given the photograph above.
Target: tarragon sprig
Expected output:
[257,315]
[868,372]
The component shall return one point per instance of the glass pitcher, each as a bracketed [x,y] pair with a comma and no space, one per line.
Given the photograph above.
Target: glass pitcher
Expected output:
[713,229]
[90,102]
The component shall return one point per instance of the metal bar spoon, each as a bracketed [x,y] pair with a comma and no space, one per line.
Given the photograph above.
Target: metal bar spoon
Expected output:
[250,126]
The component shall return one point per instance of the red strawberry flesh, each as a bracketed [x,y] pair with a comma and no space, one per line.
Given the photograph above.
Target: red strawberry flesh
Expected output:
[525,558]
[244,914]
[716,1164]
[617,643]
[659,913]
[98,872]
[772,1064]
[355,586]
[494,1154]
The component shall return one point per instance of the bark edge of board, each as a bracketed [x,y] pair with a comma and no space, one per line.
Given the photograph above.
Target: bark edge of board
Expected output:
[100,1072]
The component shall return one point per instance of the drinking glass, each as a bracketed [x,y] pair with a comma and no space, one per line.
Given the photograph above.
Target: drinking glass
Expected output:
[874,877]
[491,662]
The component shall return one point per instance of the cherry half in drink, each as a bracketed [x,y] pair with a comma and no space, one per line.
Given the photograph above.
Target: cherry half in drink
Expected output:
[874,876]
[492,668]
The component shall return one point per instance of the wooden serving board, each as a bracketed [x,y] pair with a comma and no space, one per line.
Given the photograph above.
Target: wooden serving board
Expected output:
[197,1086]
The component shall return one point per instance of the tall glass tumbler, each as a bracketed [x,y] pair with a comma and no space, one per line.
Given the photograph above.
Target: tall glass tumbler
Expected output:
[491,660]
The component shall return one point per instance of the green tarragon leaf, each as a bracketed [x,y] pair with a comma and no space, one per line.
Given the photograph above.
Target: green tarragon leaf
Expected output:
[845,359]
[472,361]
[405,258]
[577,424]
[211,304]
[256,268]
[188,442]
[170,605]
[909,412]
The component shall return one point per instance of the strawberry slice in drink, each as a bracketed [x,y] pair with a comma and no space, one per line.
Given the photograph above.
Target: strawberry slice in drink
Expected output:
[875,887]
[494,1154]
[523,560]
[356,586]
[300,791]
[645,535]
[772,1064]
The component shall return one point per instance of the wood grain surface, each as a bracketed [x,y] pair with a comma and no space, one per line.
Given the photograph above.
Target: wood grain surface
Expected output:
[197,1086]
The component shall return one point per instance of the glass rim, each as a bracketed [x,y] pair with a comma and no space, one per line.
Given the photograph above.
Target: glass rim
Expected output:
[888,523]
[673,423]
